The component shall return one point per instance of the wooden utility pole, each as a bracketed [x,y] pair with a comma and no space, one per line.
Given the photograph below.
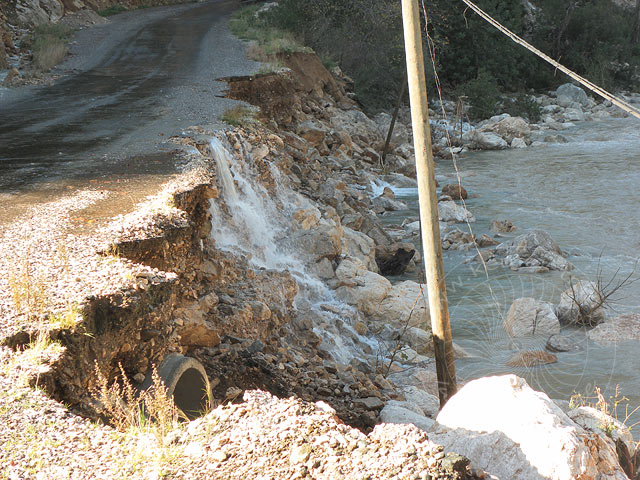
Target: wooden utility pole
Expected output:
[431,243]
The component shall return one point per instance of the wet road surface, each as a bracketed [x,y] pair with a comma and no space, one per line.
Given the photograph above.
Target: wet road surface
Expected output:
[152,75]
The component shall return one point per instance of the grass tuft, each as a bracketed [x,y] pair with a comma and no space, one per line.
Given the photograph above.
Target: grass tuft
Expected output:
[239,116]
[49,45]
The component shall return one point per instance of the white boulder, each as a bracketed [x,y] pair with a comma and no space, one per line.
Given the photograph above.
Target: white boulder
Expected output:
[511,431]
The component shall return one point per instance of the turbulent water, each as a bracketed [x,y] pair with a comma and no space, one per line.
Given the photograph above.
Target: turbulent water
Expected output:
[586,194]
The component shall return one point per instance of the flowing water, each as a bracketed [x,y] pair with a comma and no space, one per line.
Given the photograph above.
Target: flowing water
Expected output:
[257,223]
[586,194]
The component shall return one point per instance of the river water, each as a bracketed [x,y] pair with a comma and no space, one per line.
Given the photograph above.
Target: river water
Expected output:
[586,194]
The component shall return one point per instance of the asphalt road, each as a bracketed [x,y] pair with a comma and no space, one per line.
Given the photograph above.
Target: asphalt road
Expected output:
[129,85]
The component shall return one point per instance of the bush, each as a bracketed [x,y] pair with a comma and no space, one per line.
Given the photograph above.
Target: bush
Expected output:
[523,106]
[483,95]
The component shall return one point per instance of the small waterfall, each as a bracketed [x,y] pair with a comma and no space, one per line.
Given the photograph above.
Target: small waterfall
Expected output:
[221,157]
[257,223]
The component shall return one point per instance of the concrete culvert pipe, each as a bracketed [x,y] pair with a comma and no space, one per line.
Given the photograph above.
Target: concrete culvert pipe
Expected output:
[185,379]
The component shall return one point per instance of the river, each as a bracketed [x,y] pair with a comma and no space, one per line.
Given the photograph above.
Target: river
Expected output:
[586,194]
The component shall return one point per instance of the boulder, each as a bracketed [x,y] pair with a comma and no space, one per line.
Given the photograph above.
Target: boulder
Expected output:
[530,317]
[518,143]
[618,329]
[509,128]
[477,140]
[574,115]
[361,287]
[450,211]
[402,303]
[524,245]
[455,191]
[417,338]
[534,249]
[561,343]
[360,128]
[429,404]
[549,259]
[511,431]
[572,93]
[322,241]
[313,133]
[358,245]
[393,259]
[386,204]
[581,304]
[401,413]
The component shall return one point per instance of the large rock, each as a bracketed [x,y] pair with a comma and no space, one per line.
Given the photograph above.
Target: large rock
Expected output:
[404,302]
[450,211]
[358,245]
[35,12]
[513,432]
[524,245]
[401,413]
[618,329]
[455,191]
[509,128]
[393,259]
[429,404]
[581,304]
[533,249]
[359,127]
[477,140]
[572,93]
[361,287]
[530,317]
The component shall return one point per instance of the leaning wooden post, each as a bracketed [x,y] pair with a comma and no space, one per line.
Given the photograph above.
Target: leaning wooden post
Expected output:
[431,243]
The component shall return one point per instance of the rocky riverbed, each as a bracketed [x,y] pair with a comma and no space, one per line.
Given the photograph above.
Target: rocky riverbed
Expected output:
[263,260]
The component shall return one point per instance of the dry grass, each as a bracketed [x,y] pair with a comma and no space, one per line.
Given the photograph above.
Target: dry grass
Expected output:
[150,411]
[28,290]
[239,116]
[49,45]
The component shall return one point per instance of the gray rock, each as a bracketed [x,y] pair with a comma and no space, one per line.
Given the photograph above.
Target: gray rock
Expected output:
[573,93]
[530,317]
[396,412]
[581,304]
[369,403]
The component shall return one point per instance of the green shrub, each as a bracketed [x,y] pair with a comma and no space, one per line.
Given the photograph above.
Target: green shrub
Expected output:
[483,95]
[523,105]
